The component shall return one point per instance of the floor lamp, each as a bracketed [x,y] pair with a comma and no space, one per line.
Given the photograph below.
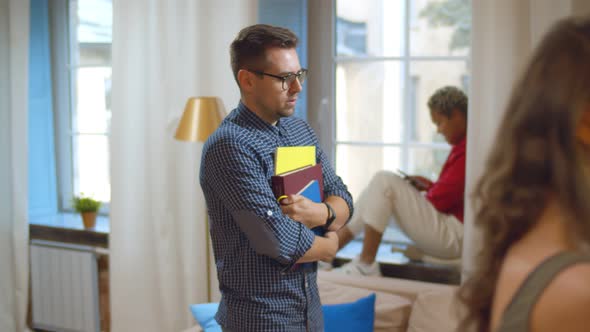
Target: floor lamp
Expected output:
[202,115]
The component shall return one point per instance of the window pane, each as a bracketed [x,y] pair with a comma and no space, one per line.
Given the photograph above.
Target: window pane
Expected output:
[92,166]
[369,101]
[426,161]
[357,164]
[370,27]
[90,25]
[93,30]
[93,99]
[440,27]
[95,21]
[426,78]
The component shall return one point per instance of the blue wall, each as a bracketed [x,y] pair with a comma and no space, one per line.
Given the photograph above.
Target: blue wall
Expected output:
[42,174]
[291,14]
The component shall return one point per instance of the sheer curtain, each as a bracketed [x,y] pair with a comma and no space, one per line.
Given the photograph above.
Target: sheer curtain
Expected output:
[14,227]
[164,51]
[504,34]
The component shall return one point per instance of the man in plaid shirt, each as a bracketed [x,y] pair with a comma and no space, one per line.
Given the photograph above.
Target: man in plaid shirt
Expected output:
[256,241]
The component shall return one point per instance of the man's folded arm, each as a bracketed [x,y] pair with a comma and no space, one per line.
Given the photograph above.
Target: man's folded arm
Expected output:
[287,249]
[323,249]
[341,209]
[238,180]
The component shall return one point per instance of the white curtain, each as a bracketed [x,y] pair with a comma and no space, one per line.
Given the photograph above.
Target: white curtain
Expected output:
[14,227]
[164,51]
[504,34]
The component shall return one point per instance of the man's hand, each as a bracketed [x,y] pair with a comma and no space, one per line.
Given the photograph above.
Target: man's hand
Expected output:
[303,210]
[419,182]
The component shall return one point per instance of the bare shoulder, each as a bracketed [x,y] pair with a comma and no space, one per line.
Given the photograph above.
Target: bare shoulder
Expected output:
[564,304]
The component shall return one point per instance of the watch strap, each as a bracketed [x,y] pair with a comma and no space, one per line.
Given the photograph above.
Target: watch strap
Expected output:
[331,215]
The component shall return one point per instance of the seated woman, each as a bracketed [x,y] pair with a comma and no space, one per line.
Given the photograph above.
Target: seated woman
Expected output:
[434,221]
[533,271]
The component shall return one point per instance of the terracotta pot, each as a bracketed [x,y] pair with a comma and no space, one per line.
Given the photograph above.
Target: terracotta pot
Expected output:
[89,219]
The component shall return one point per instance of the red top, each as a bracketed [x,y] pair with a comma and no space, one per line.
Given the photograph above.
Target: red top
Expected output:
[447,193]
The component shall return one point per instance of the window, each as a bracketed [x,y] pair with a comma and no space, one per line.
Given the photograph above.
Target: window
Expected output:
[389,57]
[83,72]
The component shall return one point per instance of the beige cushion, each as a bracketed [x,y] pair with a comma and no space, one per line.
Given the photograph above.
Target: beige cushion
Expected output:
[399,287]
[391,311]
[436,310]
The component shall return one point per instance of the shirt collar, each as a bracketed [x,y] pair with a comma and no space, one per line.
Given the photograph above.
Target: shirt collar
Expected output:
[459,146]
[248,117]
[462,141]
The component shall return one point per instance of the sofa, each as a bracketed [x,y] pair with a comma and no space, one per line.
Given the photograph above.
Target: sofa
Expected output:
[400,305]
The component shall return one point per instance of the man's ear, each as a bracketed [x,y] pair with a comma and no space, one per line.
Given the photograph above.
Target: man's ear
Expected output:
[245,79]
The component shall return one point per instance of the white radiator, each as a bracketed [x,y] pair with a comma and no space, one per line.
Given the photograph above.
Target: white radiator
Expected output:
[64,281]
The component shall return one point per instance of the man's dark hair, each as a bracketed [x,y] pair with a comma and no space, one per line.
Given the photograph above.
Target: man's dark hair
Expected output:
[247,51]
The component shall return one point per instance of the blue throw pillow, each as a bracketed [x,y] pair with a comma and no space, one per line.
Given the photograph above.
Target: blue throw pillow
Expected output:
[358,316]
[204,313]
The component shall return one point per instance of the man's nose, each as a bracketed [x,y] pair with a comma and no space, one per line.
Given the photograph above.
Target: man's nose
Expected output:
[295,86]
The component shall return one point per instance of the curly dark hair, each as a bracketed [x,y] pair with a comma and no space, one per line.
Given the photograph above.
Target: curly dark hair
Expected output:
[446,99]
[536,155]
[247,51]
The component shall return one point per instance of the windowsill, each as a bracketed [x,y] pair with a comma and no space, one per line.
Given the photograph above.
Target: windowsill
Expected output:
[68,228]
[395,264]
[73,221]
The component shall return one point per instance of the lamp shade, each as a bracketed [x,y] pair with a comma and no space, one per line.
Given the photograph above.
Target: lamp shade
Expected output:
[202,115]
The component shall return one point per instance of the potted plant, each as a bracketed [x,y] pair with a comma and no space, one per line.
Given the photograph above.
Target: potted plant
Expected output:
[88,208]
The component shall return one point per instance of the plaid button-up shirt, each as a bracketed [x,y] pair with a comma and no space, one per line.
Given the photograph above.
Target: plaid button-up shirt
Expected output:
[254,243]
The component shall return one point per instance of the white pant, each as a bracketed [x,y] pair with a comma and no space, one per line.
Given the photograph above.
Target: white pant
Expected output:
[388,195]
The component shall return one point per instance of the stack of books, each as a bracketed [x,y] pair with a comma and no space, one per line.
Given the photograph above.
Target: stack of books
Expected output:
[296,172]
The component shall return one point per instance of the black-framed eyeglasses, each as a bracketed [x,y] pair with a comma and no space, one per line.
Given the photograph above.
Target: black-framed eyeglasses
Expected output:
[288,79]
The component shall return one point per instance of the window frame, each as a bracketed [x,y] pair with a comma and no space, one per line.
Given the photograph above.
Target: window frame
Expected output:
[63,37]
[405,59]
[322,97]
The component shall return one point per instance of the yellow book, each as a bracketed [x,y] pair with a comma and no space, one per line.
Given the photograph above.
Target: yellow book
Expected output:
[288,158]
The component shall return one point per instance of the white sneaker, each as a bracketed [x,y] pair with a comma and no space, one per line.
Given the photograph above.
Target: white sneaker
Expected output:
[358,268]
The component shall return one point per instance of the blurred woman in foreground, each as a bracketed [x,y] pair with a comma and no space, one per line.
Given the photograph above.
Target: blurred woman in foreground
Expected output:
[533,273]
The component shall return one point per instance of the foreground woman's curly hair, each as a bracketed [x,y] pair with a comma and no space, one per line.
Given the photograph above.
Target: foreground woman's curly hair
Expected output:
[537,154]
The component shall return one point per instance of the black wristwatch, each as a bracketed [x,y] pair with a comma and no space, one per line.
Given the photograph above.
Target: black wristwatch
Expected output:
[331,216]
